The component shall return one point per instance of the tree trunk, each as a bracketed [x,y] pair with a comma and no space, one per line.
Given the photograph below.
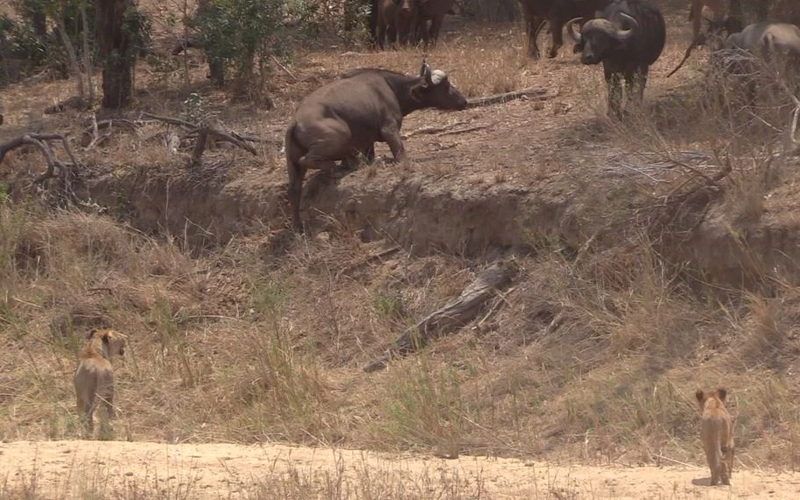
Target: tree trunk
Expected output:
[39,22]
[115,51]
[87,56]
[216,64]
[762,9]
[73,59]
[735,10]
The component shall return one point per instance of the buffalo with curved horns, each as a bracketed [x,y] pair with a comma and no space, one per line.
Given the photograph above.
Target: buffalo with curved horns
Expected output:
[345,118]
[556,13]
[627,39]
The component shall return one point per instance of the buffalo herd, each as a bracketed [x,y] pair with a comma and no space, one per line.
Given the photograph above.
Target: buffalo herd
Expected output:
[342,121]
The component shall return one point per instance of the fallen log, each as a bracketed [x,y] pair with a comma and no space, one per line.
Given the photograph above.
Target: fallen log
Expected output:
[454,314]
[540,94]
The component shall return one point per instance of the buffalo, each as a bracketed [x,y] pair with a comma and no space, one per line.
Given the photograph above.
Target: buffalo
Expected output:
[433,11]
[395,21]
[345,118]
[556,13]
[767,38]
[627,39]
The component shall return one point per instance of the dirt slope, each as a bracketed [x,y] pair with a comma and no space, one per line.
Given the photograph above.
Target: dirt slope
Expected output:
[226,470]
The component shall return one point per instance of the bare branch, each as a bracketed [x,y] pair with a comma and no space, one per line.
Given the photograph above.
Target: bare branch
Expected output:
[202,137]
[173,121]
[284,68]
[40,141]
[537,93]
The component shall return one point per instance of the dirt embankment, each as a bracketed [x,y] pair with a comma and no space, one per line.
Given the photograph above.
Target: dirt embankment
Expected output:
[64,469]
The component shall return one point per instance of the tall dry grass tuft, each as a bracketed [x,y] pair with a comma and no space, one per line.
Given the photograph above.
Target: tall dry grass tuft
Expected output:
[425,407]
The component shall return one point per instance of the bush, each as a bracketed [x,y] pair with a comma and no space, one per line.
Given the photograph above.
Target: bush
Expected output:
[240,35]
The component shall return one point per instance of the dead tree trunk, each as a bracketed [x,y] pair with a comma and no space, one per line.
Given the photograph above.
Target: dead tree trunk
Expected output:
[114,44]
[454,314]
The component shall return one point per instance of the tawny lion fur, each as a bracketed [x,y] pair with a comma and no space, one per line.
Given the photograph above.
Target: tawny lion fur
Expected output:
[94,379]
[716,434]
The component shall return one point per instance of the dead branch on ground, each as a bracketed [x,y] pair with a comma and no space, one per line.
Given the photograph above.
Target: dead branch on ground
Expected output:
[43,143]
[536,93]
[203,130]
[454,314]
[92,135]
[446,129]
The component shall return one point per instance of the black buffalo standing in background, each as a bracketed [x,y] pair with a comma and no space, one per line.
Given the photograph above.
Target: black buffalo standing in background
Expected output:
[556,13]
[627,39]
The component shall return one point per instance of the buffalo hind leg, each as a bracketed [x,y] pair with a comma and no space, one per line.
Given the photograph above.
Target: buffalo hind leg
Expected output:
[296,175]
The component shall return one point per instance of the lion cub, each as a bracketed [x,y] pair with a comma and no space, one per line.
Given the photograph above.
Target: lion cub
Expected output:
[716,434]
[94,379]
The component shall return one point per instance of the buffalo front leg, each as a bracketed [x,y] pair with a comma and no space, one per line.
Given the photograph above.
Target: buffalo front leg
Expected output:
[614,84]
[380,35]
[556,27]
[392,137]
[531,30]
[635,83]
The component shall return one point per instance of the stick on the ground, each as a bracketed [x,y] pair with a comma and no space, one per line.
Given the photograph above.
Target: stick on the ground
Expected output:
[170,120]
[41,141]
[284,68]
[685,57]
[202,136]
[540,94]
[454,314]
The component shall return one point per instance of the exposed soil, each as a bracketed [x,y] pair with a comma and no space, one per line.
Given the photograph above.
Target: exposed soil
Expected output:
[231,471]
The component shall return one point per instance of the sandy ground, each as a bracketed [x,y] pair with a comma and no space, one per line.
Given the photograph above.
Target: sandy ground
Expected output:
[226,470]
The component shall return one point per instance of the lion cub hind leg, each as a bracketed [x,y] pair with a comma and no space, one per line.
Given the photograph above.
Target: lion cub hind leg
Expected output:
[716,434]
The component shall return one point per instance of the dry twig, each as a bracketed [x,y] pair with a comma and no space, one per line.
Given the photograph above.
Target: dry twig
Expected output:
[538,93]
[454,314]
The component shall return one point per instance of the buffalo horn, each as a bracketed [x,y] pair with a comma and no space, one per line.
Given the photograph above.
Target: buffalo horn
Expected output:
[622,34]
[425,68]
[576,36]
[427,74]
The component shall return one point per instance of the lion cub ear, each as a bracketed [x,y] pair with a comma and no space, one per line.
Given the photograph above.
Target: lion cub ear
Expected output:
[721,394]
[91,334]
[700,395]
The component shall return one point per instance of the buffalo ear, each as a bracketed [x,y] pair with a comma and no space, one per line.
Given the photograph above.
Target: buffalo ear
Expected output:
[700,396]
[722,394]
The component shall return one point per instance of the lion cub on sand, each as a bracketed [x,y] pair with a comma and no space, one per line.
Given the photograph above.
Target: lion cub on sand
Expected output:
[716,434]
[94,379]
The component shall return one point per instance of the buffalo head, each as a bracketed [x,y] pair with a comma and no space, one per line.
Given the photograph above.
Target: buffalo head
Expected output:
[599,37]
[435,91]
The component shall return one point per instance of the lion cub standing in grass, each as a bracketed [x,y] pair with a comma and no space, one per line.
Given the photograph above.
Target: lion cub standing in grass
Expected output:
[716,434]
[94,379]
